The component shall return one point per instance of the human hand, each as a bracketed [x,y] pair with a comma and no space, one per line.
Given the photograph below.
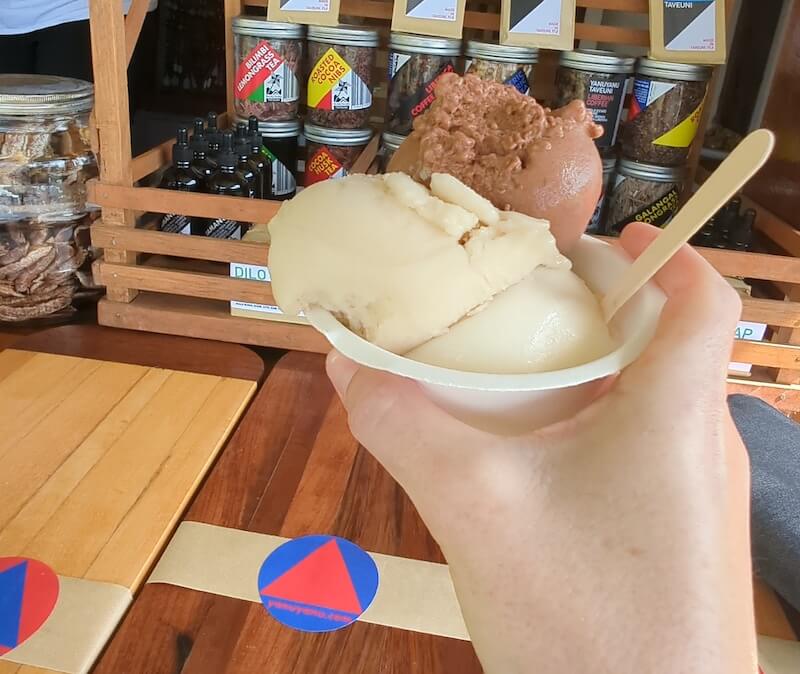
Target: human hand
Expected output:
[615,541]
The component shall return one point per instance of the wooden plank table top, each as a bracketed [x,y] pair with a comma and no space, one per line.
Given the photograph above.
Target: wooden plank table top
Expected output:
[101,455]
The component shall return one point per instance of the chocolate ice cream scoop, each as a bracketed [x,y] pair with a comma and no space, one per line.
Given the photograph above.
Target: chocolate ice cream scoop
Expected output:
[508,148]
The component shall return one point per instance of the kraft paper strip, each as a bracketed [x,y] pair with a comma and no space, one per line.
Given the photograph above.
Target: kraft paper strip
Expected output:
[412,594]
[85,616]
[776,656]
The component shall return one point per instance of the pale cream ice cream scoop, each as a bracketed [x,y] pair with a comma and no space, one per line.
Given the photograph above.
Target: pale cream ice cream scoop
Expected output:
[397,262]
[548,321]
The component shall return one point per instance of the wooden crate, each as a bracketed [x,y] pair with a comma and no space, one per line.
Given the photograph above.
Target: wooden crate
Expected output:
[180,285]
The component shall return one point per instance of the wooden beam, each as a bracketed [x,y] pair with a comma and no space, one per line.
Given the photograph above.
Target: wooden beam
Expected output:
[187,203]
[112,116]
[766,354]
[207,319]
[772,312]
[188,284]
[232,8]
[179,245]
[152,160]
[133,25]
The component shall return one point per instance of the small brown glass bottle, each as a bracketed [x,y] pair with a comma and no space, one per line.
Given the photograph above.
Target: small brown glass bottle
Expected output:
[227,180]
[181,178]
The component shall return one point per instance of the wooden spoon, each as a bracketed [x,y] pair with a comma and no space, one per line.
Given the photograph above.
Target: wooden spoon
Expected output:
[738,167]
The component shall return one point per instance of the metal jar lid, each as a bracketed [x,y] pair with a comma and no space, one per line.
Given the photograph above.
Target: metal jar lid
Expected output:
[597,61]
[392,140]
[501,52]
[278,128]
[424,44]
[651,172]
[245,25]
[30,95]
[354,36]
[319,134]
[687,72]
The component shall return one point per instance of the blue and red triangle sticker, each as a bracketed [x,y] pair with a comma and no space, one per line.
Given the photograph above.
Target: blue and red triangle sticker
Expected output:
[317,583]
[28,595]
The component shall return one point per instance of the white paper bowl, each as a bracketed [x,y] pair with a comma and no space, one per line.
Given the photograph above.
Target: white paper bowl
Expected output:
[515,403]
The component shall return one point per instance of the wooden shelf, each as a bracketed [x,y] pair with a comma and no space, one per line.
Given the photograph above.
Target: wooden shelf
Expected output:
[206,319]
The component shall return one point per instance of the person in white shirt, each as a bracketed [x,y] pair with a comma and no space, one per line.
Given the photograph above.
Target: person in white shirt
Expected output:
[49,37]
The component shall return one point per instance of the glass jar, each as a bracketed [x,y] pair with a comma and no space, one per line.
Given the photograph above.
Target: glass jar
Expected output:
[332,152]
[45,149]
[502,63]
[269,66]
[645,193]
[342,59]
[597,223]
[665,111]
[600,80]
[416,62]
[280,140]
[389,144]
[45,268]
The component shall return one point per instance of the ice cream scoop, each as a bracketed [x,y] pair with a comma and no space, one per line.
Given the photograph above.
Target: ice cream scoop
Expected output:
[548,321]
[397,262]
[508,148]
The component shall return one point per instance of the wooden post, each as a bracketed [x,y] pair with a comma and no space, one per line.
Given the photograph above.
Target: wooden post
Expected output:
[112,116]
[232,8]
[133,25]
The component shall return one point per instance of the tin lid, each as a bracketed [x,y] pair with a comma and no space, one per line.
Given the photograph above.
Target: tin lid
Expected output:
[319,134]
[246,25]
[26,95]
[355,36]
[278,128]
[502,52]
[609,164]
[425,44]
[597,60]
[688,72]
[392,140]
[658,174]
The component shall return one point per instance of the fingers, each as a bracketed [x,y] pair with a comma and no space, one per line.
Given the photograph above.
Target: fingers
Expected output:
[394,419]
[696,330]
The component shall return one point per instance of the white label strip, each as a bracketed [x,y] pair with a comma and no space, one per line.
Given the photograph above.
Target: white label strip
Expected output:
[412,594]
[776,656]
[84,618]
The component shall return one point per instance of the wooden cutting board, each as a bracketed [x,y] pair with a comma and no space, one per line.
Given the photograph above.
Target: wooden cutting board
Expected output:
[99,459]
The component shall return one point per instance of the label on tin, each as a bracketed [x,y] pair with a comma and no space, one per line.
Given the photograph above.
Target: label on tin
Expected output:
[263,76]
[535,17]
[407,105]
[645,93]
[305,5]
[519,80]
[332,85]
[322,165]
[658,212]
[690,25]
[605,97]
[595,224]
[439,10]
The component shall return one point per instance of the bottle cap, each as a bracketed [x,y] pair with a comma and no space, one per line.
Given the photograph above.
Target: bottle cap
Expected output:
[227,159]
[181,152]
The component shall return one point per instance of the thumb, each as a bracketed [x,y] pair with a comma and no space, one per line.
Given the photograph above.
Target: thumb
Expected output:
[693,343]
[407,432]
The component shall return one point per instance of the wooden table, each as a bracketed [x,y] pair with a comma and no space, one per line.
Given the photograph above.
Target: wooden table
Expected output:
[291,468]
